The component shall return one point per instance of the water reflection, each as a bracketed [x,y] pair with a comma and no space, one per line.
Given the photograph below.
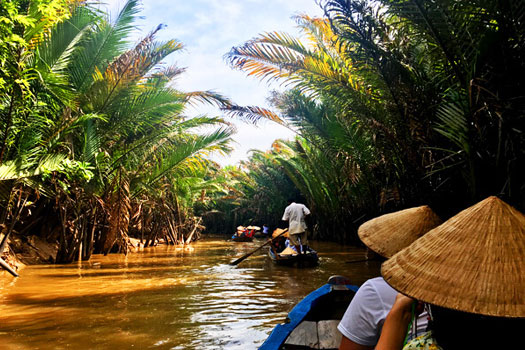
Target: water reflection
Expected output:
[163,298]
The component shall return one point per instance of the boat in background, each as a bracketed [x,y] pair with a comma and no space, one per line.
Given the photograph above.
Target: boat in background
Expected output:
[312,323]
[244,234]
[309,258]
[242,238]
[283,253]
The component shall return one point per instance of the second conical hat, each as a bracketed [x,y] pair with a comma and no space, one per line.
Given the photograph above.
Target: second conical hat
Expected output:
[473,262]
[389,233]
[278,231]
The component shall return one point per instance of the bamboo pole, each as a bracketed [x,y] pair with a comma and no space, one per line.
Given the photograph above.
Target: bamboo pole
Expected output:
[171,232]
[6,236]
[8,268]
[91,240]
[197,223]
[3,243]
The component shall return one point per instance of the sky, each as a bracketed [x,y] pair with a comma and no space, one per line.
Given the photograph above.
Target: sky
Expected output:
[209,29]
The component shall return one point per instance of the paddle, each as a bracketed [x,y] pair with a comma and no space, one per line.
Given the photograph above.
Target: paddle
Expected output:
[236,262]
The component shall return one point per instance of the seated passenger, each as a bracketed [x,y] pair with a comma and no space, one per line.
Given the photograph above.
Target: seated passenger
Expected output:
[449,330]
[386,235]
[279,239]
[241,230]
[289,245]
[250,231]
[472,267]
[289,249]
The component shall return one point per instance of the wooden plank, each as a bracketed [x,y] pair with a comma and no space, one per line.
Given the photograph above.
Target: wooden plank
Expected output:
[305,334]
[329,335]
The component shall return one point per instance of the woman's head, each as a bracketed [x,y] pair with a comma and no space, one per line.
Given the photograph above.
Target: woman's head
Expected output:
[472,262]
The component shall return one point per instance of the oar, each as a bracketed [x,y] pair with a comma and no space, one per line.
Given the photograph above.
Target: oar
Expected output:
[236,262]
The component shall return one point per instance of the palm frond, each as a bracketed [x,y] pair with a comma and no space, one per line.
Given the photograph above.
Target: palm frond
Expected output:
[253,114]
[195,148]
[105,42]
[209,97]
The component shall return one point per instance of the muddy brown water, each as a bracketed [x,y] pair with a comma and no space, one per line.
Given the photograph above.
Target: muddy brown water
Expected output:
[163,298]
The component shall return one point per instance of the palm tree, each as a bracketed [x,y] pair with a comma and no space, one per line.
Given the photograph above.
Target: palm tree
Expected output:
[140,136]
[410,99]
[345,122]
[470,54]
[109,131]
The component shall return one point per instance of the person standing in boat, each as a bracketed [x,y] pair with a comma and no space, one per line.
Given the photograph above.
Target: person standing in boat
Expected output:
[385,235]
[295,214]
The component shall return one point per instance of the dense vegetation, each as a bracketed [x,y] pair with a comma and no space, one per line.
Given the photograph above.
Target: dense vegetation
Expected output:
[396,103]
[94,142]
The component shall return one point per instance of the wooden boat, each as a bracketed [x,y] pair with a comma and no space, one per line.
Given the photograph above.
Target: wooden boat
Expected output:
[312,323]
[243,234]
[308,259]
[242,238]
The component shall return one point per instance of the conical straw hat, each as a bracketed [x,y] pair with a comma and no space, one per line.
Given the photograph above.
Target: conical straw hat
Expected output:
[278,231]
[389,233]
[473,262]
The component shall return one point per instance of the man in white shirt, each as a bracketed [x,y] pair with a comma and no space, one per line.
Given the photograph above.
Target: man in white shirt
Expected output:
[295,214]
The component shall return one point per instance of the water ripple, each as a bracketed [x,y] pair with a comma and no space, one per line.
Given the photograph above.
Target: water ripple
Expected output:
[161,298]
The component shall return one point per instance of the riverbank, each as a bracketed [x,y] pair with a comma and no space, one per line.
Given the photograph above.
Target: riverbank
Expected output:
[33,250]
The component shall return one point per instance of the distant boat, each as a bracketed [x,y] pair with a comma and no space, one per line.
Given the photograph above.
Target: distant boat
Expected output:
[242,238]
[312,323]
[244,234]
[307,259]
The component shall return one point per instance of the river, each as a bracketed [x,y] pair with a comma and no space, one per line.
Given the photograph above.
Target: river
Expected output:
[163,298]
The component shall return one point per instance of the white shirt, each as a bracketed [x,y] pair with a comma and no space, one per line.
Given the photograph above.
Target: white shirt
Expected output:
[365,316]
[294,214]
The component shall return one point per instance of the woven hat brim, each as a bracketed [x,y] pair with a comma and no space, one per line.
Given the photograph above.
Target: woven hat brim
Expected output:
[473,262]
[278,231]
[388,234]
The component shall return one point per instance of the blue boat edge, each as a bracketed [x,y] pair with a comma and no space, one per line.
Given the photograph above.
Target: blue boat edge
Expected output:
[281,331]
